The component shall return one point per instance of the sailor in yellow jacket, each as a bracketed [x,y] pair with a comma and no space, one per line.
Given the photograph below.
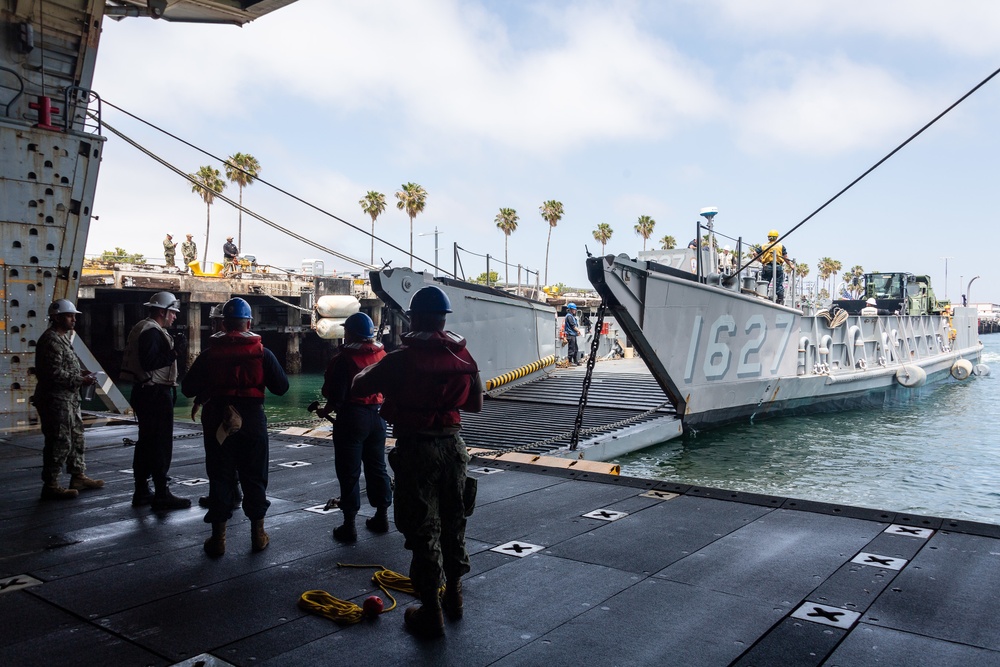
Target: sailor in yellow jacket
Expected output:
[775,254]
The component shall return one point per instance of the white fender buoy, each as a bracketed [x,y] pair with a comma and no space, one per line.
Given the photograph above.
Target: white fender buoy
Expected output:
[330,328]
[911,376]
[337,305]
[961,369]
[981,370]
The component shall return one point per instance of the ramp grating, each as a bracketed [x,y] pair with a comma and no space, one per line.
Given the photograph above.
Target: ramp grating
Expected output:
[546,407]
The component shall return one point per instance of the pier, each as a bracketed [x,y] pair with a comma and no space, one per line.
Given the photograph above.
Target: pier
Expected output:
[568,568]
[111,301]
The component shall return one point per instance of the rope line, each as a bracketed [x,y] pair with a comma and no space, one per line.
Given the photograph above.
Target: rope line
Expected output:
[344,612]
[232,203]
[270,185]
[879,163]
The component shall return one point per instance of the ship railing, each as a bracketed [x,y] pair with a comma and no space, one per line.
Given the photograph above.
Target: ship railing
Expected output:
[81,110]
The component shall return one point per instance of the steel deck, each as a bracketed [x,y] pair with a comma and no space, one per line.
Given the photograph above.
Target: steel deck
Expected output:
[568,568]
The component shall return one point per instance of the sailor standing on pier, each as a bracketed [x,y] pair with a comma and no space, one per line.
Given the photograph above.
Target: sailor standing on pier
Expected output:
[169,250]
[426,382]
[189,251]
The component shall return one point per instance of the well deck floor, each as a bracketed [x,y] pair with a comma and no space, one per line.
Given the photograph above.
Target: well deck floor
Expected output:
[568,568]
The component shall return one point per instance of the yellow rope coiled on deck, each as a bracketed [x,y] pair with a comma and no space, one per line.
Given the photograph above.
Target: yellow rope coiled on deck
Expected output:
[344,612]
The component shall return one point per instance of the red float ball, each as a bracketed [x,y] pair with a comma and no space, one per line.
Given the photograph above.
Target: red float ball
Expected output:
[372,606]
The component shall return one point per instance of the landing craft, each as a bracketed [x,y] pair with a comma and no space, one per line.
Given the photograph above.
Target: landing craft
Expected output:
[724,352]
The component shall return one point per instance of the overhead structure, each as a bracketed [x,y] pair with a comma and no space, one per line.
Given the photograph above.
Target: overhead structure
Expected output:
[51,151]
[236,12]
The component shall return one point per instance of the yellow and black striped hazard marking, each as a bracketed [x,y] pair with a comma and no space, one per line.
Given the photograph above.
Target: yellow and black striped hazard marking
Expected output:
[520,372]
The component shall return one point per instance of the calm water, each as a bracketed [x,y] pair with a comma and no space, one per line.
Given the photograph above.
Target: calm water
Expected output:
[937,456]
[302,390]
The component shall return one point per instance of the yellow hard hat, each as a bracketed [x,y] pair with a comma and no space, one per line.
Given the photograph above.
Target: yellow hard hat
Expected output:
[773,234]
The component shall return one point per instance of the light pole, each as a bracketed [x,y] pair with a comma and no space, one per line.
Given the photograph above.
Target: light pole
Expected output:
[435,248]
[946,276]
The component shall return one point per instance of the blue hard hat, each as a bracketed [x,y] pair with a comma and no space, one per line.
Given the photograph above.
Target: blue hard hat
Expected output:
[430,299]
[238,309]
[570,306]
[360,325]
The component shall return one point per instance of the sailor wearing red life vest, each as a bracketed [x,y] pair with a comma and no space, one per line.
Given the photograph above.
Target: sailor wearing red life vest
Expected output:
[232,374]
[359,431]
[426,383]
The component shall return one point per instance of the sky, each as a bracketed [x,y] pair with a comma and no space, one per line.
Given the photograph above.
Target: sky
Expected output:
[763,109]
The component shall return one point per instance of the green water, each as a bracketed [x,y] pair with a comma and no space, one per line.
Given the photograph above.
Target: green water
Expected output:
[937,455]
[302,390]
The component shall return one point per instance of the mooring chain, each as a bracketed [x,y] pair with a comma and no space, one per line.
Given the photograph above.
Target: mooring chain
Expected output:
[591,360]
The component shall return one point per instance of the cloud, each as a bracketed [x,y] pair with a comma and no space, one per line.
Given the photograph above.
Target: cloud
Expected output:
[444,68]
[828,108]
[967,27]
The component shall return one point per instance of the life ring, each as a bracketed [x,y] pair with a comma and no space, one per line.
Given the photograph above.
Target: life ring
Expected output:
[911,376]
[961,369]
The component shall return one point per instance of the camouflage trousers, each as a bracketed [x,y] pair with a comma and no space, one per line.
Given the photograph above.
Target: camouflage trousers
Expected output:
[62,426]
[429,506]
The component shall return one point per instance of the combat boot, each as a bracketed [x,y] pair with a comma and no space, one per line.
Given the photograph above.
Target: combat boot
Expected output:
[451,602]
[81,482]
[164,500]
[142,494]
[346,532]
[56,492]
[258,538]
[215,546]
[380,522]
[425,621]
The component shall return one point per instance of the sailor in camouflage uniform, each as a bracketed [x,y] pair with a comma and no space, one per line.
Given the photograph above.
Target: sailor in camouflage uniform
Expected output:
[169,250]
[189,250]
[425,383]
[57,399]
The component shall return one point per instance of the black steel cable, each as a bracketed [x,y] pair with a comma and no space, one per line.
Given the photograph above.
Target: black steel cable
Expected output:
[277,188]
[877,164]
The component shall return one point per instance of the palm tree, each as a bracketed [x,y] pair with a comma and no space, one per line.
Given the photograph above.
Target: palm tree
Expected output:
[603,234]
[825,268]
[373,204]
[835,267]
[506,222]
[207,185]
[855,282]
[552,212]
[668,242]
[412,199]
[801,271]
[241,169]
[644,228]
